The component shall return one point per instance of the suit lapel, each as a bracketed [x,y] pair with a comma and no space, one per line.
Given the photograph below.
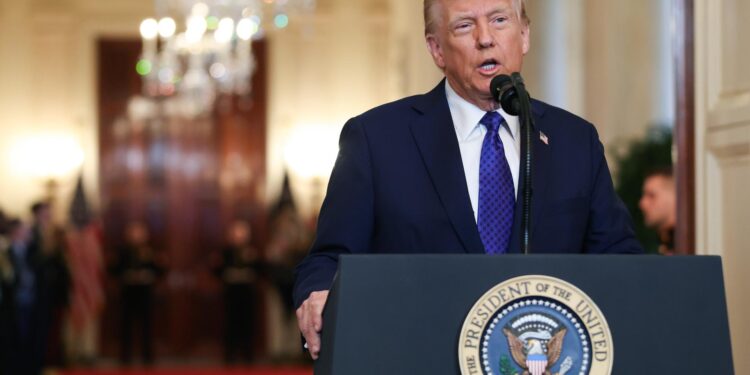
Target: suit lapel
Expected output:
[436,140]
[540,162]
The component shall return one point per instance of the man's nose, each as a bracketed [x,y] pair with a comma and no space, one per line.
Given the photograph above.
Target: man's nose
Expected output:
[484,37]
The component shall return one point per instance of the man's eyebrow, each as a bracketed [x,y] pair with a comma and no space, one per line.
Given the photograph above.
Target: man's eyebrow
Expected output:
[462,16]
[502,10]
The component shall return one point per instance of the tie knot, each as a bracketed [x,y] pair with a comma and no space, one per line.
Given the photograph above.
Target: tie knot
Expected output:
[492,121]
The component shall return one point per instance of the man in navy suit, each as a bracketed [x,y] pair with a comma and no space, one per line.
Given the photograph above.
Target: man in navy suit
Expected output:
[426,174]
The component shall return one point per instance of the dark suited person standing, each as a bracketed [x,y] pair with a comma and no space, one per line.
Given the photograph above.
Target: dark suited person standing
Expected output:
[8,333]
[25,358]
[52,281]
[239,272]
[439,172]
[9,343]
[138,270]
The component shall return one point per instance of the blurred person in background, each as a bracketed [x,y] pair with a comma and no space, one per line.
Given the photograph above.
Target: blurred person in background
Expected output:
[29,358]
[658,204]
[138,270]
[239,273]
[4,220]
[288,245]
[8,283]
[87,289]
[47,250]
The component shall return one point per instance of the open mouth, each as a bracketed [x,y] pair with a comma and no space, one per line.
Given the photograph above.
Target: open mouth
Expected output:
[489,66]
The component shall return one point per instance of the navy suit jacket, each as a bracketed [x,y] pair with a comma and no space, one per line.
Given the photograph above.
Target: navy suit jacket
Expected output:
[398,186]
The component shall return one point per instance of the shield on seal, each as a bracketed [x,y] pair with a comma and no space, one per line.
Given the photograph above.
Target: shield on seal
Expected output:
[537,363]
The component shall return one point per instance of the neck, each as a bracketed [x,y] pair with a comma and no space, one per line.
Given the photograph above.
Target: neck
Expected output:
[665,232]
[488,105]
[483,102]
[667,226]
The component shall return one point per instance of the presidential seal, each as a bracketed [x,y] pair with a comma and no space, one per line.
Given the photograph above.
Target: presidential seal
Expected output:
[535,325]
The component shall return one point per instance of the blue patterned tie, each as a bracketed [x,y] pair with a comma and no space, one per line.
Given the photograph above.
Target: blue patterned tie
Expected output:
[496,191]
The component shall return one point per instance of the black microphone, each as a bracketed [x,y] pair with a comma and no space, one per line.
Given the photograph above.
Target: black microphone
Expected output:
[510,92]
[504,92]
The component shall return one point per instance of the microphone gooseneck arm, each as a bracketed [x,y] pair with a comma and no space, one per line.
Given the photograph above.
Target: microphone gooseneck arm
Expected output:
[527,122]
[510,92]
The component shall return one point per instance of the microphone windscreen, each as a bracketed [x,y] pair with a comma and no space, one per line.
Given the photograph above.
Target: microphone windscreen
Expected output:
[503,90]
[499,85]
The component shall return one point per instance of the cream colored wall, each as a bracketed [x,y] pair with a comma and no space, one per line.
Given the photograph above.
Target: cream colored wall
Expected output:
[607,61]
[555,67]
[352,56]
[48,76]
[623,59]
[722,85]
[16,98]
[619,67]
[323,70]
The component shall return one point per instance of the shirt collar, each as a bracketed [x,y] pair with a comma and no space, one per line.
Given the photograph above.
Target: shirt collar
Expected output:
[466,116]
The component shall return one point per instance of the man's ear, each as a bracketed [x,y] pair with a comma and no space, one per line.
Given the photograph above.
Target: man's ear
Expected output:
[433,44]
[526,35]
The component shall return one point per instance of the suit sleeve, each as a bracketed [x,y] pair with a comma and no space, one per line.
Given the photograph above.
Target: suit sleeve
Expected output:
[345,224]
[610,227]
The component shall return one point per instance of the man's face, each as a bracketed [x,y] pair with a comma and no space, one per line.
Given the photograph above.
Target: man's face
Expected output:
[475,40]
[44,216]
[239,233]
[658,201]
[137,233]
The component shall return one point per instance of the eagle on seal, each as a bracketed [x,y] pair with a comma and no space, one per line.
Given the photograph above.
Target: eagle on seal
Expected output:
[531,356]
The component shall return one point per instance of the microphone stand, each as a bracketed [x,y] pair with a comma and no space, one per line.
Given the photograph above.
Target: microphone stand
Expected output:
[527,122]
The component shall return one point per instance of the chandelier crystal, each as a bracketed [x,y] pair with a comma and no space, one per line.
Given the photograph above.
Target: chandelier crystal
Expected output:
[197,49]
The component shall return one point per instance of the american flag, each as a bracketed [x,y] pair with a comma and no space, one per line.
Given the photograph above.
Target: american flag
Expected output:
[86,264]
[543,137]
[537,363]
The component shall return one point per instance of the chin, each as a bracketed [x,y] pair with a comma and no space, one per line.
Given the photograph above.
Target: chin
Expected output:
[483,87]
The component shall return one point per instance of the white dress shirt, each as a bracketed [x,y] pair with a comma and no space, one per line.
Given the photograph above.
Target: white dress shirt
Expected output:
[470,134]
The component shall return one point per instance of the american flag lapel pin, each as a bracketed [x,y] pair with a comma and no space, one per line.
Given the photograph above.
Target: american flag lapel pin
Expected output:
[543,138]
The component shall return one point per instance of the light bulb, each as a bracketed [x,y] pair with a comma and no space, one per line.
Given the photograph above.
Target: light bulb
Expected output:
[246,28]
[196,26]
[200,10]
[167,27]
[149,28]
[224,32]
[226,23]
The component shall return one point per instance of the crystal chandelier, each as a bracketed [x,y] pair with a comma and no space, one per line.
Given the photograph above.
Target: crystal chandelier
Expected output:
[197,49]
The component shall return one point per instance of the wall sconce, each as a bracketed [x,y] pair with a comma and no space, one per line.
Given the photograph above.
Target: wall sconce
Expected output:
[49,158]
[310,154]
[311,150]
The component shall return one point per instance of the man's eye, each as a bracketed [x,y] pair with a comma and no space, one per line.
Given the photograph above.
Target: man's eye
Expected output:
[463,26]
[500,19]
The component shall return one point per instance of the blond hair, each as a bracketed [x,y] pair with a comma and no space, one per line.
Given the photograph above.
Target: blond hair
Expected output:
[430,6]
